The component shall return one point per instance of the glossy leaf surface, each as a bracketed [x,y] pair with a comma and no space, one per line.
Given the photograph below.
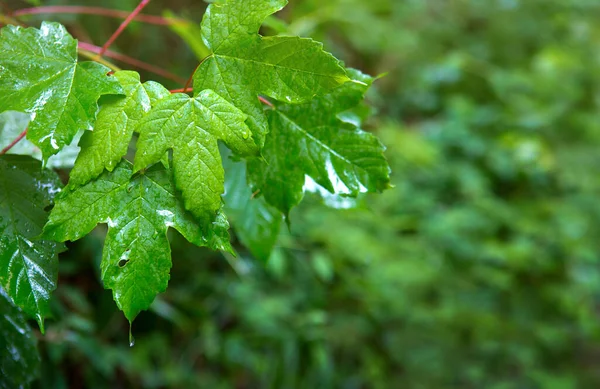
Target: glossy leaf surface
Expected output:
[137,258]
[40,75]
[119,116]
[335,154]
[244,64]
[28,265]
[191,127]
[19,359]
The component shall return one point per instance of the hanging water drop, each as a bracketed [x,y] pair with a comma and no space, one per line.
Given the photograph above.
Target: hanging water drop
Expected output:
[131,338]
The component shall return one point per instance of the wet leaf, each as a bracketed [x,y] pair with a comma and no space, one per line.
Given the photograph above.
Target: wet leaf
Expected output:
[28,265]
[244,64]
[139,210]
[19,359]
[40,75]
[335,154]
[104,147]
[191,127]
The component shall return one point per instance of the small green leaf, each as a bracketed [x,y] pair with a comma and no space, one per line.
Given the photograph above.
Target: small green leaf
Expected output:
[337,155]
[243,64]
[28,266]
[19,359]
[137,257]
[104,147]
[255,222]
[40,75]
[191,127]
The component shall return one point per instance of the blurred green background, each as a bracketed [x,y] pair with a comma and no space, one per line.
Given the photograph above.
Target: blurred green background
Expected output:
[479,270]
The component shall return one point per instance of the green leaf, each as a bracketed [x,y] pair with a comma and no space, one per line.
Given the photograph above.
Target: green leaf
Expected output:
[191,127]
[40,75]
[255,222]
[28,266]
[138,210]
[104,147]
[19,359]
[244,64]
[335,154]
[13,123]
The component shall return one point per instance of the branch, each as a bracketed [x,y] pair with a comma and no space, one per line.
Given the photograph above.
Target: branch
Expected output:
[112,13]
[134,62]
[14,142]
[123,26]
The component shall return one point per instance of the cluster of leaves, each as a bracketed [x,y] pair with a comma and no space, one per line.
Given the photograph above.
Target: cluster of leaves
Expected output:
[176,179]
[480,270]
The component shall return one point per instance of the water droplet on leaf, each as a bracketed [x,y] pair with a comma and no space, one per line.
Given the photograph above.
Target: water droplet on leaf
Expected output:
[131,338]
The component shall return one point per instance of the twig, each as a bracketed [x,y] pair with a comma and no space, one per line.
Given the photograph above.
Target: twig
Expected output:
[113,13]
[123,26]
[134,62]
[14,142]
[266,102]
[189,80]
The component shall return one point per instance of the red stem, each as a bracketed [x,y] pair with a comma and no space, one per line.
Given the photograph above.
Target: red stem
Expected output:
[266,102]
[83,10]
[123,26]
[14,142]
[134,62]
[189,80]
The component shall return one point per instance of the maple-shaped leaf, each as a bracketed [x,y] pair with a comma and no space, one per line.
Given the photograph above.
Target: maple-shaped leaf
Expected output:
[255,222]
[40,75]
[19,359]
[191,127]
[311,140]
[119,116]
[244,64]
[28,266]
[139,210]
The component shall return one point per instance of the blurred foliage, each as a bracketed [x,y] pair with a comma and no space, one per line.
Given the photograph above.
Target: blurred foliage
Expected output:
[479,270]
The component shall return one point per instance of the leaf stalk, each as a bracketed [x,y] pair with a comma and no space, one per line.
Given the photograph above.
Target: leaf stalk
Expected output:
[13,143]
[99,11]
[123,26]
